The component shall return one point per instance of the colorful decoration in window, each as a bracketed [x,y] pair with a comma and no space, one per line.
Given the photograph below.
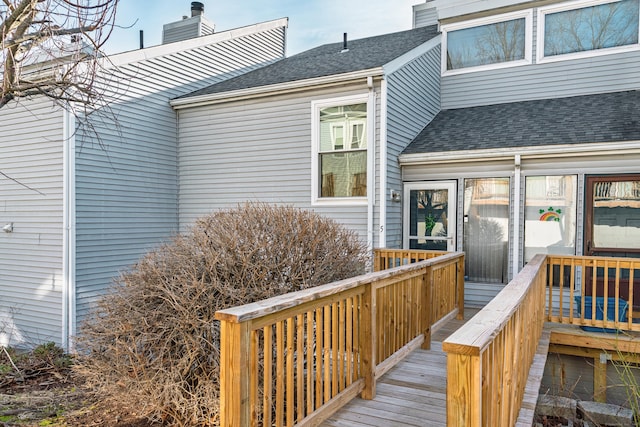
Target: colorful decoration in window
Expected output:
[550,214]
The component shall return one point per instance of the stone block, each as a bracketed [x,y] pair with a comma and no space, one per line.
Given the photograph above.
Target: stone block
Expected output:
[606,414]
[556,406]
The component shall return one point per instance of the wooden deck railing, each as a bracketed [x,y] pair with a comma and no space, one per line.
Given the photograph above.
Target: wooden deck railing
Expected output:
[594,292]
[296,358]
[384,259]
[488,359]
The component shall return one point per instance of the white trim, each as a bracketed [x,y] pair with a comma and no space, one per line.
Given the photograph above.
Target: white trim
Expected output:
[268,90]
[69,234]
[371,159]
[453,8]
[170,48]
[517,180]
[382,229]
[545,151]
[403,60]
[452,187]
[316,105]
[527,14]
[574,5]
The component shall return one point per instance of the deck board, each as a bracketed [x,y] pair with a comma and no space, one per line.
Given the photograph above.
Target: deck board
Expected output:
[412,393]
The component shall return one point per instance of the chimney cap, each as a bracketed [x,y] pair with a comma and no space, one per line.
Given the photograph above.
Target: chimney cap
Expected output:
[197,8]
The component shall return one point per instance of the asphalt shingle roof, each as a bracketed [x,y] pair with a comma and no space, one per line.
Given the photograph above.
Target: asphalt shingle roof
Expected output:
[328,60]
[605,117]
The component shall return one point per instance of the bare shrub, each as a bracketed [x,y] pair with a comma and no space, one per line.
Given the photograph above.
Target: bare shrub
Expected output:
[153,343]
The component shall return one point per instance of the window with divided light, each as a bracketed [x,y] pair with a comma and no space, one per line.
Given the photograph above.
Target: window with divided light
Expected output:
[587,26]
[342,154]
[499,41]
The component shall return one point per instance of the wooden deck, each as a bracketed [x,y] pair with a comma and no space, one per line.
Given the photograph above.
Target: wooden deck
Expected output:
[413,393]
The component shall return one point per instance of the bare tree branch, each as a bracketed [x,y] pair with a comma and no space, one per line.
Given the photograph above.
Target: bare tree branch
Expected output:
[21,183]
[52,48]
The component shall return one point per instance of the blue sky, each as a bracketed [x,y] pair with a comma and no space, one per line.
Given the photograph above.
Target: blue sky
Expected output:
[311,22]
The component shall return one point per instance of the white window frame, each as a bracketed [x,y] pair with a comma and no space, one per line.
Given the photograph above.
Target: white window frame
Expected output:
[316,106]
[528,41]
[564,7]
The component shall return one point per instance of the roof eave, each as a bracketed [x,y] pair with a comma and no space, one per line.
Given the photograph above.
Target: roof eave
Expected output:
[279,88]
[540,152]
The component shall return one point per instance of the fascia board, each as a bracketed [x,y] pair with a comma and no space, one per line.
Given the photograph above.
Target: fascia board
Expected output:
[453,8]
[541,152]
[280,88]
[125,58]
[406,58]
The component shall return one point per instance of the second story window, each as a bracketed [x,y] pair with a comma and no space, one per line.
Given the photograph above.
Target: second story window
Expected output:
[587,26]
[503,40]
[340,128]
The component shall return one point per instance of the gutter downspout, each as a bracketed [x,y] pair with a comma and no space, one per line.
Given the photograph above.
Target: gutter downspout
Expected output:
[517,182]
[69,234]
[371,177]
[382,238]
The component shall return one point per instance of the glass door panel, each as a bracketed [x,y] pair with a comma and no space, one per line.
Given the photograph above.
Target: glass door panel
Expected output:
[486,229]
[614,216]
[612,229]
[430,216]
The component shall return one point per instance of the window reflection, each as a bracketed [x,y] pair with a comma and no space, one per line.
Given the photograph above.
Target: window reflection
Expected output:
[343,151]
[615,214]
[486,44]
[590,28]
[429,219]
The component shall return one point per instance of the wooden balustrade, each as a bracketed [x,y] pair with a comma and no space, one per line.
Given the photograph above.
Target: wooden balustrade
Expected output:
[384,259]
[296,358]
[583,289]
[488,358]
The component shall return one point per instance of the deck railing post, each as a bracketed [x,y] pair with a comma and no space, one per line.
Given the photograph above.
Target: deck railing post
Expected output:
[460,287]
[234,374]
[368,341]
[427,290]
[464,389]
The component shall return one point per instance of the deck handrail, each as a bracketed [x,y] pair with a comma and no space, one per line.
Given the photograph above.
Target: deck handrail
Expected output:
[295,358]
[485,358]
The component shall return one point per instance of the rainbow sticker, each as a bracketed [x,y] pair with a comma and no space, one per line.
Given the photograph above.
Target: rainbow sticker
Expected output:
[550,214]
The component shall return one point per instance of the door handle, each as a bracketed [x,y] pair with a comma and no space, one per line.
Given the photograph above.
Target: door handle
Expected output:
[588,247]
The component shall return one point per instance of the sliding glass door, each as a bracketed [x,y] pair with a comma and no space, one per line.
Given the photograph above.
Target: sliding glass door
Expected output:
[486,229]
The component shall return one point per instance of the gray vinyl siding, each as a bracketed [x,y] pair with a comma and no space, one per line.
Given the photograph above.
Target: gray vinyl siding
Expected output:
[606,73]
[188,28]
[126,162]
[423,17]
[31,270]
[596,74]
[183,32]
[257,150]
[413,101]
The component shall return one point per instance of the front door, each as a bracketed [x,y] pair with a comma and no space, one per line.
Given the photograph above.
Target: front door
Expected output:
[613,216]
[430,215]
[612,229]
